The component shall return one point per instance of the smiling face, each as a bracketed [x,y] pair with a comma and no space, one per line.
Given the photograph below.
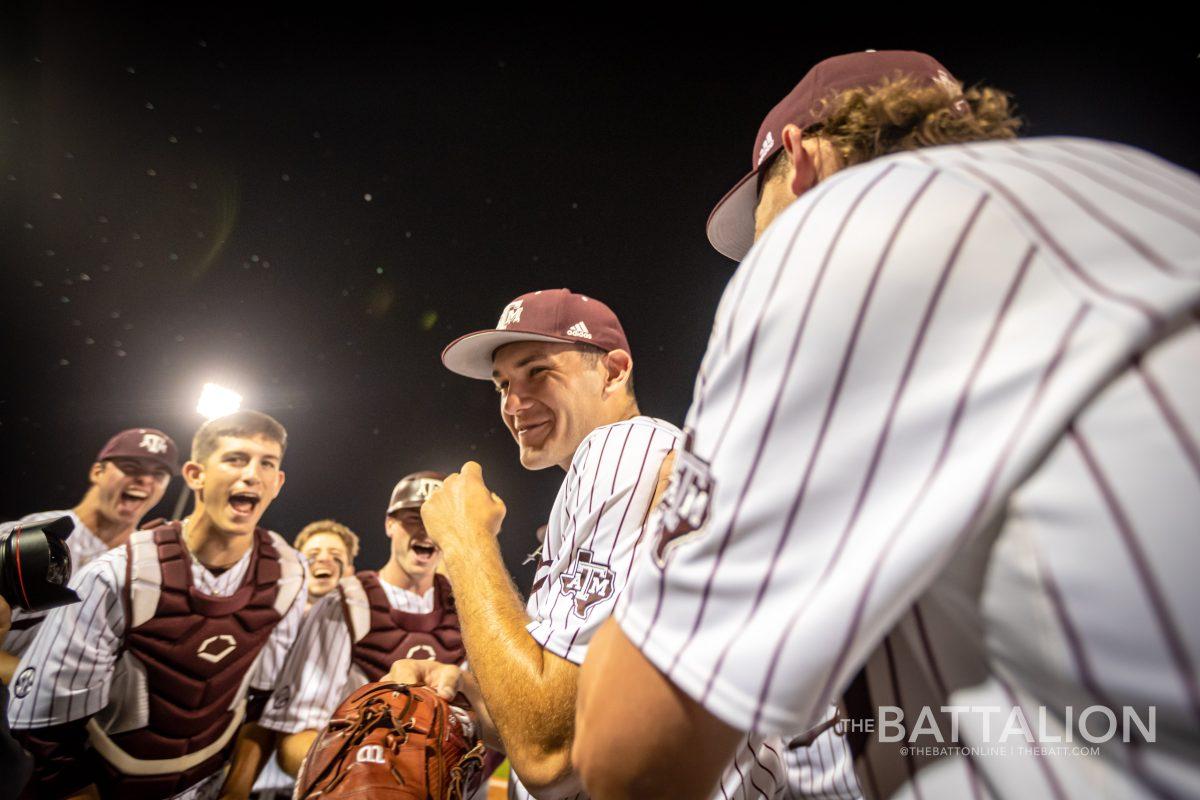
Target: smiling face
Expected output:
[237,481]
[127,488]
[412,550]
[328,561]
[551,397]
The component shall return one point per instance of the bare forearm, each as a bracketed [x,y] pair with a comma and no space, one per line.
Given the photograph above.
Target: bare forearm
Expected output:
[292,750]
[8,665]
[487,727]
[528,692]
[254,746]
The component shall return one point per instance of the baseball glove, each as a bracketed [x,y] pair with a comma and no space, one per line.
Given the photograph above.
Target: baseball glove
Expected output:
[397,742]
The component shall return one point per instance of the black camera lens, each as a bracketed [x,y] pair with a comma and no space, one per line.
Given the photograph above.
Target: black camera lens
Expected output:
[35,565]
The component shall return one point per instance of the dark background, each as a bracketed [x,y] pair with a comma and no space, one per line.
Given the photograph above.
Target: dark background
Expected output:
[183,198]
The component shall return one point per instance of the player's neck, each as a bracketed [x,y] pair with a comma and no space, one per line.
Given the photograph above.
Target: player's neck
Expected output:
[211,546]
[393,574]
[111,532]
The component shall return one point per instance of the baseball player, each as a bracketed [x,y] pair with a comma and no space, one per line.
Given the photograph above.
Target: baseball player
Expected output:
[352,635]
[139,689]
[943,459]
[127,479]
[329,548]
[562,368]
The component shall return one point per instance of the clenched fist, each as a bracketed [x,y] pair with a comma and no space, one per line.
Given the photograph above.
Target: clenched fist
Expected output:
[462,510]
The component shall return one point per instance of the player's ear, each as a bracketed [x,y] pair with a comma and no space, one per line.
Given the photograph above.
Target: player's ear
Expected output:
[280,477]
[95,472]
[193,475]
[618,366]
[800,155]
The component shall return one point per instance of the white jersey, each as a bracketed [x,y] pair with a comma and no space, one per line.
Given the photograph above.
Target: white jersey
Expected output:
[83,546]
[593,538]
[316,676]
[67,672]
[947,428]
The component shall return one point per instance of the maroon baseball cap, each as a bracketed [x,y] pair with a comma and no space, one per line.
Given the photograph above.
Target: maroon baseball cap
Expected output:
[413,490]
[143,444]
[731,223]
[551,315]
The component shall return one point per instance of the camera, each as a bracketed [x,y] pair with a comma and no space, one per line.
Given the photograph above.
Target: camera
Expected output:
[35,565]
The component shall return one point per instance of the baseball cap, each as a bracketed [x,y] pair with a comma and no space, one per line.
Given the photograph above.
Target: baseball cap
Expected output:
[413,490]
[550,315]
[143,444]
[731,224]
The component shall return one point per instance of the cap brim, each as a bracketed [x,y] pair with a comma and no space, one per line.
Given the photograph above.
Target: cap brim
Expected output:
[155,460]
[731,224]
[471,355]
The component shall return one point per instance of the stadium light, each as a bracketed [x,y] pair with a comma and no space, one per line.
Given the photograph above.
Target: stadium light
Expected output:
[217,401]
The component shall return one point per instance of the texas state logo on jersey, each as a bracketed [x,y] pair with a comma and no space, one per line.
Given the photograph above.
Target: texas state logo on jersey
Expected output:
[683,511]
[589,582]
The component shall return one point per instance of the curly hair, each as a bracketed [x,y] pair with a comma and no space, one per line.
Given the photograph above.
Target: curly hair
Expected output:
[349,537]
[903,114]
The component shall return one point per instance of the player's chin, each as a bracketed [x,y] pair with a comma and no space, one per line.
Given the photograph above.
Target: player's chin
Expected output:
[535,458]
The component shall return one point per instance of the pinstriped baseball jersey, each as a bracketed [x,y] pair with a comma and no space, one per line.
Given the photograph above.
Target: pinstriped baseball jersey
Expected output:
[593,536]
[83,546]
[315,677]
[67,671]
[947,427]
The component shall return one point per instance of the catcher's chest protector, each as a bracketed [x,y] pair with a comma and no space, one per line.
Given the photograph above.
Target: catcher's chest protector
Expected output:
[382,634]
[393,742]
[180,688]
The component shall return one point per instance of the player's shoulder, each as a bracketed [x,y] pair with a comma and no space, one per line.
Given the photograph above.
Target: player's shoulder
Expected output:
[639,425]
[107,569]
[34,518]
[629,440]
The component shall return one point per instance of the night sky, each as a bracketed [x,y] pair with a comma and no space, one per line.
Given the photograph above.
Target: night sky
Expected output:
[307,209]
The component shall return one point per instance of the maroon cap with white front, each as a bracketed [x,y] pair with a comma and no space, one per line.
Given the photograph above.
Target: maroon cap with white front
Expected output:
[731,223]
[550,315]
[143,444]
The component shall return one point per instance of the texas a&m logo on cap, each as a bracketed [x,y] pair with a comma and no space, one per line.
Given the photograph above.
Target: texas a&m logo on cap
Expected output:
[589,582]
[683,512]
[510,315]
[153,443]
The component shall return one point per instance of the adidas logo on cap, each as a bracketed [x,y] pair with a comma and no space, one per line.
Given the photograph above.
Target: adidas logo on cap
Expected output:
[580,330]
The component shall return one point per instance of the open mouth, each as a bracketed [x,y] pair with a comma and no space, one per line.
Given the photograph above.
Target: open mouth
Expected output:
[131,498]
[424,549]
[322,572]
[244,502]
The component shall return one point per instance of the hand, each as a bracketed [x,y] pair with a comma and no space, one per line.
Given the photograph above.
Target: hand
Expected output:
[5,618]
[463,507]
[445,679]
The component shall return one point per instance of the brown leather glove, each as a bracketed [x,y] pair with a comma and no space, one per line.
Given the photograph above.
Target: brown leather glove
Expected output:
[396,742]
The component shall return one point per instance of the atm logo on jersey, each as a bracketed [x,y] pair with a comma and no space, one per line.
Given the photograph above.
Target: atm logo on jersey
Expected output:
[589,582]
[683,512]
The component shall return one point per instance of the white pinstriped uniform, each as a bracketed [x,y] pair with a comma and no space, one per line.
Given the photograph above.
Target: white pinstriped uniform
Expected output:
[83,546]
[316,675]
[598,517]
[950,415]
[601,511]
[75,651]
